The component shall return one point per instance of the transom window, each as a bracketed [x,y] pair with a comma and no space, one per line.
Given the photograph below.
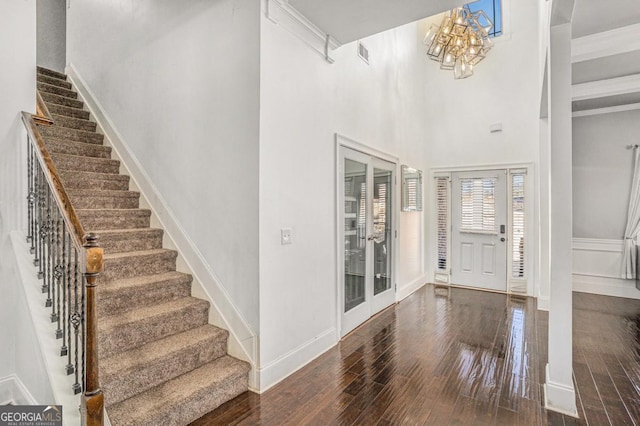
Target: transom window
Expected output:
[493,9]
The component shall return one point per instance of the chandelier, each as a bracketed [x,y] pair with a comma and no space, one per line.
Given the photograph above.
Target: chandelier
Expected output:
[461,41]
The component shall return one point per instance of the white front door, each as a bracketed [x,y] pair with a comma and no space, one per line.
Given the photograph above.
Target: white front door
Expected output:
[367,232]
[479,229]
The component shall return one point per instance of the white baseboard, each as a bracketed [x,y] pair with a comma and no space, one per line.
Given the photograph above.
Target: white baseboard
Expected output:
[617,287]
[407,290]
[13,391]
[275,371]
[559,397]
[243,341]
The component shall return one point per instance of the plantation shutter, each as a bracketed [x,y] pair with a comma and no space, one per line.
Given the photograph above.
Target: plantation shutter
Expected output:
[478,205]
[518,222]
[442,206]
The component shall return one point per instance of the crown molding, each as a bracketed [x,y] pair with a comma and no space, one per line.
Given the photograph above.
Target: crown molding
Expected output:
[282,13]
[603,88]
[606,43]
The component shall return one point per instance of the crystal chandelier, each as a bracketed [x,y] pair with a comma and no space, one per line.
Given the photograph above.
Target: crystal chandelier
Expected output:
[461,41]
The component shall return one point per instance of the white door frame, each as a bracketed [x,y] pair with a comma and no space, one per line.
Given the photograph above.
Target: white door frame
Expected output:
[343,141]
[532,217]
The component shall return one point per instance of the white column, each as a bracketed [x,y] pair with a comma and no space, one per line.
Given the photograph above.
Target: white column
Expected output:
[559,390]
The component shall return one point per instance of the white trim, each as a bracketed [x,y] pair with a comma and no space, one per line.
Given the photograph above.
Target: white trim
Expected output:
[282,367]
[412,287]
[282,13]
[594,244]
[606,43]
[607,110]
[543,303]
[243,341]
[608,87]
[616,287]
[365,149]
[13,391]
[558,397]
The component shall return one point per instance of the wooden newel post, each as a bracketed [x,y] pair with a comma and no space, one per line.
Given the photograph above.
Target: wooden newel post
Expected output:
[93,398]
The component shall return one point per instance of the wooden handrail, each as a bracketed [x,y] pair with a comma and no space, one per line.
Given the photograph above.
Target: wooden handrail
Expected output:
[91,259]
[53,178]
[43,116]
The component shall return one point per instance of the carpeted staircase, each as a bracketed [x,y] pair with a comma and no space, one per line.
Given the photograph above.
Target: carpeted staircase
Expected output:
[161,363]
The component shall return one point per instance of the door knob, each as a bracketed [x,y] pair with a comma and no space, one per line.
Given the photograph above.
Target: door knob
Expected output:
[502,239]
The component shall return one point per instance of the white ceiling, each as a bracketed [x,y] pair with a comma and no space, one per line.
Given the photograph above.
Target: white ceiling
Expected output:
[349,20]
[596,16]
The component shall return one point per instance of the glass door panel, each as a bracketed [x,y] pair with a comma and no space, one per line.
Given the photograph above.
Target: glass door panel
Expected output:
[382,226]
[355,233]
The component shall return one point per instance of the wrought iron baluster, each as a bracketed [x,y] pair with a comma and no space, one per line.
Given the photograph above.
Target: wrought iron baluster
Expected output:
[30,195]
[83,329]
[63,290]
[38,221]
[47,244]
[58,272]
[66,350]
[76,320]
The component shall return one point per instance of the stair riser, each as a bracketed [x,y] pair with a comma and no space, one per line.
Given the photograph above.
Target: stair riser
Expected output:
[56,90]
[187,359]
[74,123]
[78,148]
[85,202]
[71,134]
[99,220]
[67,111]
[61,100]
[51,73]
[139,265]
[42,78]
[131,242]
[96,184]
[133,335]
[86,164]
[152,294]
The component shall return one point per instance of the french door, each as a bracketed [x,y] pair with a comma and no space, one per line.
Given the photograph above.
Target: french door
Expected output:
[366,231]
[479,229]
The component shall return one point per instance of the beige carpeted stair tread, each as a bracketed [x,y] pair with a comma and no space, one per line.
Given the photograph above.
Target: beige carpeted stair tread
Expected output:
[104,199]
[129,373]
[61,100]
[67,111]
[132,329]
[94,181]
[134,239]
[64,146]
[185,398]
[138,263]
[53,81]
[102,219]
[83,163]
[73,123]
[133,293]
[51,73]
[71,134]
[56,90]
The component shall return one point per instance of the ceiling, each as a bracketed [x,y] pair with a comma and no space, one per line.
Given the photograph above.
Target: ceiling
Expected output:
[350,20]
[593,17]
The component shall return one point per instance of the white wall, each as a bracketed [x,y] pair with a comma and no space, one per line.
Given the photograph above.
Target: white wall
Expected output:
[602,173]
[180,82]
[17,91]
[304,102]
[51,39]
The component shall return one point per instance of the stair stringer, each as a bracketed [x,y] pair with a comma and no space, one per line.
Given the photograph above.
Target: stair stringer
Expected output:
[242,341]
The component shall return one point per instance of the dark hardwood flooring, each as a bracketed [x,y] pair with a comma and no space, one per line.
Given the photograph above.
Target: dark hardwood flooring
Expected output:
[458,357]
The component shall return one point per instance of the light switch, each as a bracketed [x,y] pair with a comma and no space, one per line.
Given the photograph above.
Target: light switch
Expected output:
[285,236]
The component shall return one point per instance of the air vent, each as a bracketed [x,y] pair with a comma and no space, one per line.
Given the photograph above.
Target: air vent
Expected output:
[363,52]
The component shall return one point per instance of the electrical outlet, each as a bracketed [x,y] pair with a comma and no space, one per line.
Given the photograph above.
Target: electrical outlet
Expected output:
[285,236]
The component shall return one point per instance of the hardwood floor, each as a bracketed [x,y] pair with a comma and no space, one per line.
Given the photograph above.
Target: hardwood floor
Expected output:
[456,356]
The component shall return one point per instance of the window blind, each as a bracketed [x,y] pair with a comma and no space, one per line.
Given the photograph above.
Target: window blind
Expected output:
[478,204]
[518,218]
[442,206]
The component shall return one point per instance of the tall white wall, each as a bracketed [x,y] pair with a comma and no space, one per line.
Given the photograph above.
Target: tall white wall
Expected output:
[180,82]
[51,22]
[17,91]
[602,173]
[304,102]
